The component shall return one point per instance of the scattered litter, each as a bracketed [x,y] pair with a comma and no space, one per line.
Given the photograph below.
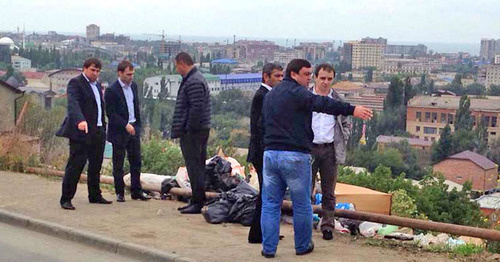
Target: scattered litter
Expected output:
[369,229]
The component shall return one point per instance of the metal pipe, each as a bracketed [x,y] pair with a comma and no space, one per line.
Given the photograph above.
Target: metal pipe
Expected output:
[358,215]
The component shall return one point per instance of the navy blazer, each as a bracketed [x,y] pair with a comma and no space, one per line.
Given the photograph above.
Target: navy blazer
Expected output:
[81,107]
[117,112]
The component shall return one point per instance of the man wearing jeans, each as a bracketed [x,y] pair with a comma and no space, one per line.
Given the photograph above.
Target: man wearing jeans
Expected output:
[288,139]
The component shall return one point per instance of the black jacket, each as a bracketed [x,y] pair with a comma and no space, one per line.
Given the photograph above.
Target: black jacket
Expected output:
[117,112]
[81,107]
[287,116]
[256,147]
[193,106]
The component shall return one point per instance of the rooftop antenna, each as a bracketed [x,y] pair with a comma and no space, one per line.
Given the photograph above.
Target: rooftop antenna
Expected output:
[24,36]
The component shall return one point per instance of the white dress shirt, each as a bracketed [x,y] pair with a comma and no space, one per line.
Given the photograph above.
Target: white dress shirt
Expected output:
[267,87]
[129,97]
[323,126]
[97,97]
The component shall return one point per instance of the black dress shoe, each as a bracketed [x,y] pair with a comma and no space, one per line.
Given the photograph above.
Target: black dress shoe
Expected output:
[309,249]
[101,200]
[186,206]
[192,209]
[67,205]
[266,255]
[141,196]
[327,234]
[120,198]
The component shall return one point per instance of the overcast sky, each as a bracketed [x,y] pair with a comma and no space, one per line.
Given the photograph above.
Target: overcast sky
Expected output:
[457,21]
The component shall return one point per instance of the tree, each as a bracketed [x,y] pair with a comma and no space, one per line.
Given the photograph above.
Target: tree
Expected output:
[481,138]
[456,85]
[475,89]
[349,77]
[443,148]
[494,90]
[369,75]
[409,93]
[464,119]
[394,96]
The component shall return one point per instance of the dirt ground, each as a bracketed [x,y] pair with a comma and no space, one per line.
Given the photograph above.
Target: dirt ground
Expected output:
[158,224]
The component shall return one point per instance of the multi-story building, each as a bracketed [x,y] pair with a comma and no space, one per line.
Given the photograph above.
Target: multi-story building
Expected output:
[256,50]
[93,32]
[20,63]
[369,40]
[313,51]
[489,75]
[469,166]
[173,82]
[58,79]
[361,55]
[428,115]
[284,57]
[414,50]
[489,48]
[244,82]
[408,66]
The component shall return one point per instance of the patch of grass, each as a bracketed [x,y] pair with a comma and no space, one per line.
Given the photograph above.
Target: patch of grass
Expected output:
[467,250]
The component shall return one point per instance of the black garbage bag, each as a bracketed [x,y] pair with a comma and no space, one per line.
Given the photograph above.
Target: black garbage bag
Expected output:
[218,175]
[234,206]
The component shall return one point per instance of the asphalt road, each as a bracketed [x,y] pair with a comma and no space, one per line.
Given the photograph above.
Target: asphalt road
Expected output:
[18,244]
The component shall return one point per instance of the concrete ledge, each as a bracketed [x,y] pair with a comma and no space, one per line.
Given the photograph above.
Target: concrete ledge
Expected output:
[84,237]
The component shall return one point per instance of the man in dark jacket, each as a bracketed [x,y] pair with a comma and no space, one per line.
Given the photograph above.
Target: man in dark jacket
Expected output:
[288,140]
[122,109]
[191,123]
[272,74]
[84,126]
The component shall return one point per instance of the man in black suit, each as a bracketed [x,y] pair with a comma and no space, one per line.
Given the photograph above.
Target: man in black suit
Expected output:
[85,127]
[122,109]
[272,74]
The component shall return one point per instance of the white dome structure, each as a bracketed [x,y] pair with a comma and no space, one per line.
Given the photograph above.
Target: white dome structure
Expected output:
[6,41]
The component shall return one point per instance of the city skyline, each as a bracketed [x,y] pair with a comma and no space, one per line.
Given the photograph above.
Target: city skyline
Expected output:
[398,21]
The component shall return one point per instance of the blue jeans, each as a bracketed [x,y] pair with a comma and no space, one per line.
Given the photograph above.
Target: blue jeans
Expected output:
[284,169]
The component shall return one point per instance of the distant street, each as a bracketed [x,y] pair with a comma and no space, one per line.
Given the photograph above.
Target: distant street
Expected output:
[18,244]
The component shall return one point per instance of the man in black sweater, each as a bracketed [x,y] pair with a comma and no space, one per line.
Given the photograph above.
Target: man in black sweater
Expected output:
[191,123]
[288,140]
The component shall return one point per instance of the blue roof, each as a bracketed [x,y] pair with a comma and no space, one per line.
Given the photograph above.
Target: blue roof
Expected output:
[240,78]
[224,61]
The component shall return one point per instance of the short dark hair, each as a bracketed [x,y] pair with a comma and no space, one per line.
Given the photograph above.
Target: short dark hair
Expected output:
[124,65]
[325,66]
[295,65]
[92,61]
[269,68]
[185,58]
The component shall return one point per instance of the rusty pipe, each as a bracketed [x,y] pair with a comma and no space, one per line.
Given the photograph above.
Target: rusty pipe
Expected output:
[358,215]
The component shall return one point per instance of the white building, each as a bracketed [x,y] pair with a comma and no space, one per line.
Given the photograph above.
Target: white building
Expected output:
[20,63]
[173,82]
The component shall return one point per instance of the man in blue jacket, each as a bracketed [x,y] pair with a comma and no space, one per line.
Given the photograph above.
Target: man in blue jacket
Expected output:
[288,141]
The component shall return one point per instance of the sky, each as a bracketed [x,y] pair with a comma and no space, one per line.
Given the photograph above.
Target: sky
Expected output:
[438,21]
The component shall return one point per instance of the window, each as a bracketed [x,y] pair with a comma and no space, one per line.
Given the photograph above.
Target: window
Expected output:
[417,129]
[434,117]
[459,177]
[493,133]
[427,116]
[433,139]
[419,116]
[443,118]
[450,119]
[430,130]
[493,121]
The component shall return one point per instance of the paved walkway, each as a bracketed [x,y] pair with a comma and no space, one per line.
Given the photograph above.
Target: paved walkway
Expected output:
[158,224]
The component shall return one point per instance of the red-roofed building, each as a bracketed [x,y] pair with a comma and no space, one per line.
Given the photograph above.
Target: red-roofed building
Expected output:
[469,166]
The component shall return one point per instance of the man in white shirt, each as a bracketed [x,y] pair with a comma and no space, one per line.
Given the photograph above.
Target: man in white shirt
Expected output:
[330,137]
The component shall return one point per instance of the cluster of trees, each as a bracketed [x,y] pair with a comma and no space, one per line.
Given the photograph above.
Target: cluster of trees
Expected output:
[465,136]
[458,88]
[430,200]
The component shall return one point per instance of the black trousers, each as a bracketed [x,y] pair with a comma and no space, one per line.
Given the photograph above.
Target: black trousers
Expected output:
[324,161]
[80,152]
[133,150]
[194,151]
[255,233]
